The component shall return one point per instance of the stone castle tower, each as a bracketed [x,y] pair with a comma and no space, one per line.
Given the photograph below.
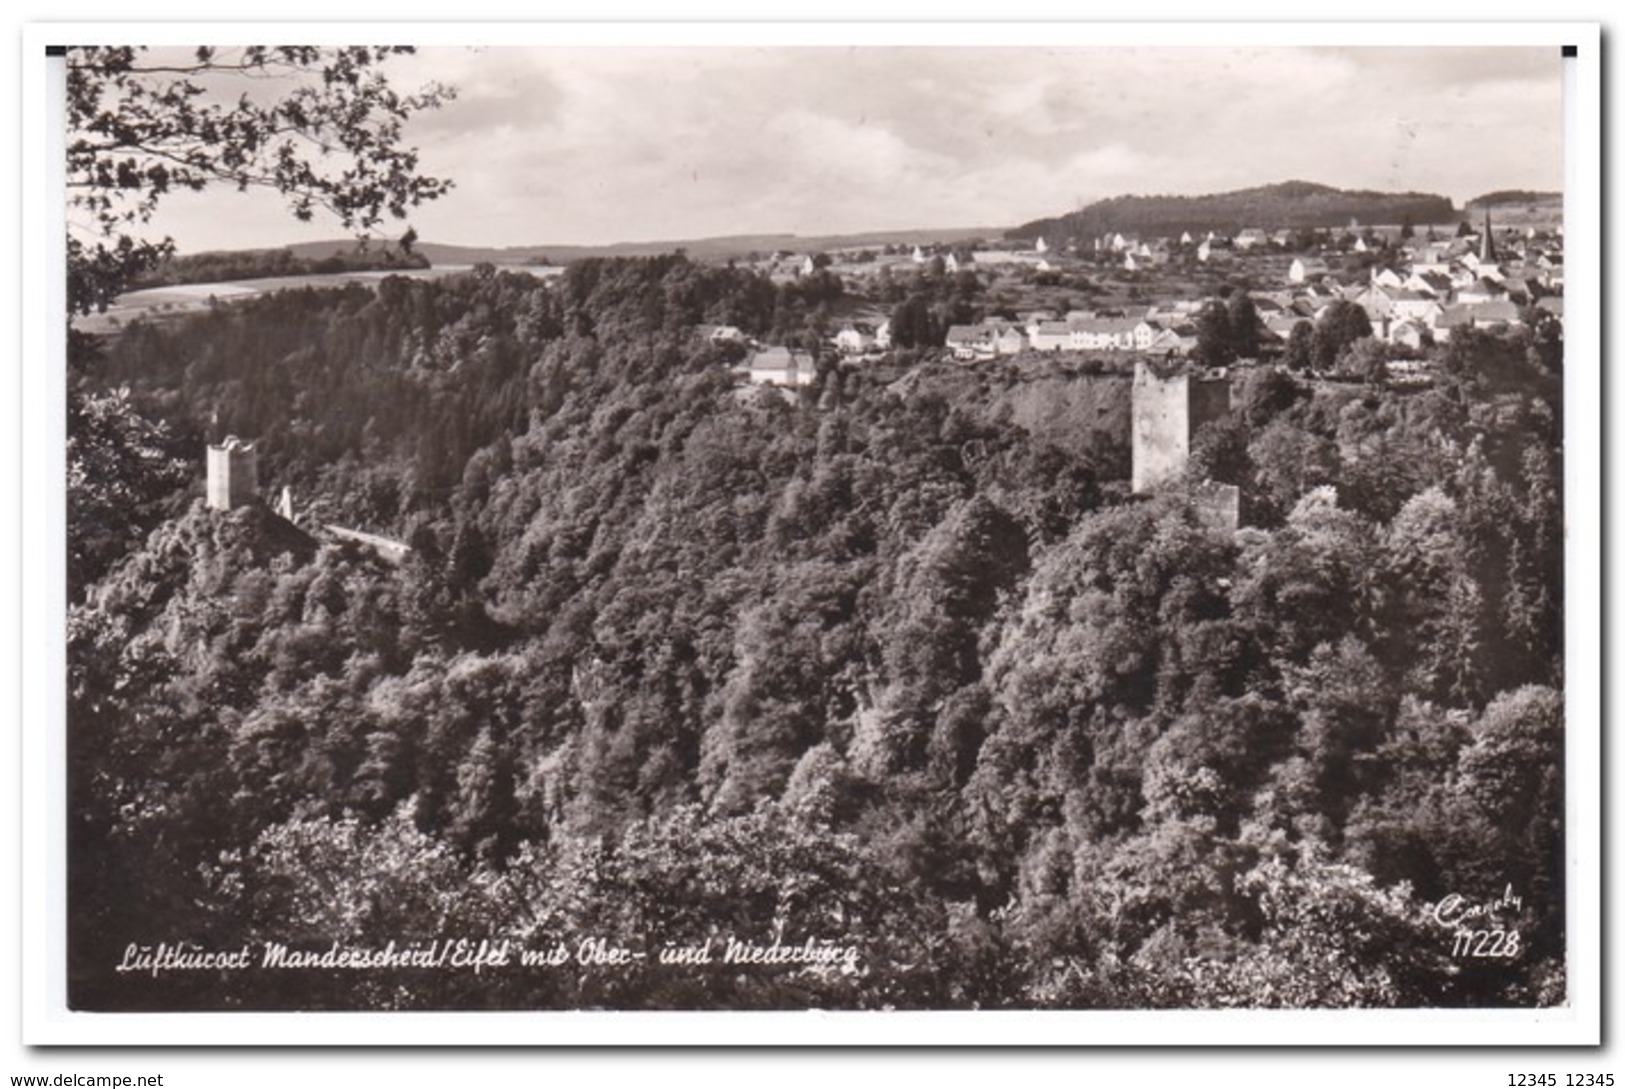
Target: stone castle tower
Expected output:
[1169,408]
[233,474]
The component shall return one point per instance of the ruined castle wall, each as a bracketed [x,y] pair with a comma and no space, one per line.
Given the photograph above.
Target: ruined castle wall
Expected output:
[233,477]
[1161,428]
[1167,413]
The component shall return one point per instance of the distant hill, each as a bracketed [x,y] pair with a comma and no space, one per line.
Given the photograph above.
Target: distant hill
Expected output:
[703,249]
[313,260]
[1515,196]
[1271,207]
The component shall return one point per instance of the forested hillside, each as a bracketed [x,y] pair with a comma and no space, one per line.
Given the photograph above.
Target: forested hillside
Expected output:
[894,666]
[1269,207]
[213,268]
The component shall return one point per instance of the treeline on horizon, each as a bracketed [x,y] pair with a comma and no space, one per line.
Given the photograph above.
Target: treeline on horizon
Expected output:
[1515,196]
[1287,205]
[900,666]
[226,265]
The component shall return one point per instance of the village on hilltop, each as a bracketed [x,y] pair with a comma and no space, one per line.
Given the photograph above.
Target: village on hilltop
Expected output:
[1116,294]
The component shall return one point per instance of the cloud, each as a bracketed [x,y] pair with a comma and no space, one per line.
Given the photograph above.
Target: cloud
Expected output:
[605,144]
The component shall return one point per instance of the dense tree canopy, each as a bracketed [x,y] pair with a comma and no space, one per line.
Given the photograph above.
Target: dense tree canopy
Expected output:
[1338,326]
[895,665]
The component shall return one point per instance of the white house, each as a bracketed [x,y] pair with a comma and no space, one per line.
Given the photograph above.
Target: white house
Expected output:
[1411,305]
[1108,334]
[1180,339]
[1009,340]
[1412,334]
[1306,268]
[779,366]
[969,341]
[854,339]
[1430,258]
[1462,276]
[720,334]
[984,341]
[1377,303]
[1049,336]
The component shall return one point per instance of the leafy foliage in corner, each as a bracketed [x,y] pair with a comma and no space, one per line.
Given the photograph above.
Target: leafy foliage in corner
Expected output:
[142,126]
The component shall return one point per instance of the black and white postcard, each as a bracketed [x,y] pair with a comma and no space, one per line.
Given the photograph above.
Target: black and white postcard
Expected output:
[1031,533]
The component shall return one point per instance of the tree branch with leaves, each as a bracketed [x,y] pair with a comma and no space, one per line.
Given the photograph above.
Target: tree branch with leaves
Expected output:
[320,125]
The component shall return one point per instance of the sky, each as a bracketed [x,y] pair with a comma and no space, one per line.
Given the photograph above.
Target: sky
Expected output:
[589,145]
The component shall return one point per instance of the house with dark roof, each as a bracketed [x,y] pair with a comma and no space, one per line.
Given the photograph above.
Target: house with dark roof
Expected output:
[1517,289]
[1387,277]
[1481,290]
[1434,283]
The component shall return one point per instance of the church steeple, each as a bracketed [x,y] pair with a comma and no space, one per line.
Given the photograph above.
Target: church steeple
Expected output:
[1486,244]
